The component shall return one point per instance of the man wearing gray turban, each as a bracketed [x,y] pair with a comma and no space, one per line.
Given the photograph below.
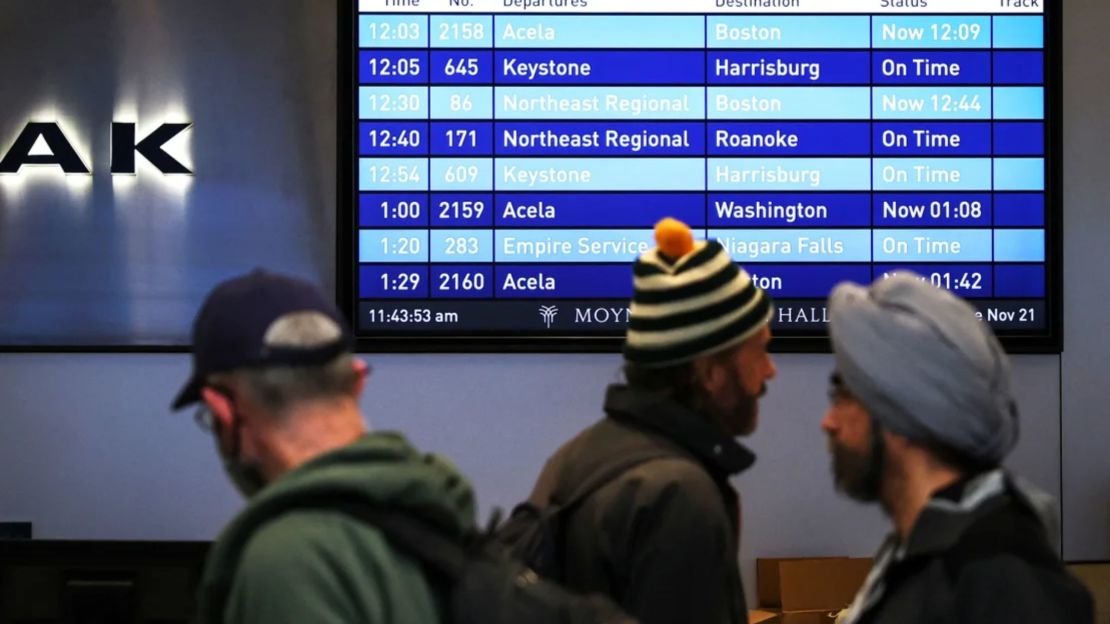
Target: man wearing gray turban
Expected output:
[920,420]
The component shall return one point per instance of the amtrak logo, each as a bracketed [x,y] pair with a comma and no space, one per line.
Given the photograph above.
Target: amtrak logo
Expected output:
[547,313]
[44,143]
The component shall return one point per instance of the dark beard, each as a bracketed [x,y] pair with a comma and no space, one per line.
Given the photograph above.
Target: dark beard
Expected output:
[859,475]
[740,417]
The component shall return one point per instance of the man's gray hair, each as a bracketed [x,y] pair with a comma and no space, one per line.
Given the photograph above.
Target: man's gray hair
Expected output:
[278,388]
[305,330]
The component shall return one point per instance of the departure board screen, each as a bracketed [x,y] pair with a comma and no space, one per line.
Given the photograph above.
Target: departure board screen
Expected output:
[507,159]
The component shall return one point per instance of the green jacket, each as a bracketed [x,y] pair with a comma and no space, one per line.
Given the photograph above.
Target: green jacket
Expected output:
[311,566]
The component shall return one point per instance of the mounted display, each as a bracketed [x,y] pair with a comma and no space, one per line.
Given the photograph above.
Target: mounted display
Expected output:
[504,161]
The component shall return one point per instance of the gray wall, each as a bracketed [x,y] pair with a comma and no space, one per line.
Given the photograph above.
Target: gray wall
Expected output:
[89,450]
[499,417]
[1085,372]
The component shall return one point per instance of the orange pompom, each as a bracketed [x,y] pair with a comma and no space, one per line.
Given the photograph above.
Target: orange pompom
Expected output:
[674,238]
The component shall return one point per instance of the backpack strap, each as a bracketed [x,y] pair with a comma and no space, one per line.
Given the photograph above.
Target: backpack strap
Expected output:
[608,473]
[449,557]
[416,537]
[411,534]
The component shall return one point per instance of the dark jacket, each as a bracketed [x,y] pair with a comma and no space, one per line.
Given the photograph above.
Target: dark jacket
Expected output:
[324,567]
[662,538]
[979,553]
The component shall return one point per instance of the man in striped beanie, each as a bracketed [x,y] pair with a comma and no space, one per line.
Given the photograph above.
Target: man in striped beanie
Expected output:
[641,499]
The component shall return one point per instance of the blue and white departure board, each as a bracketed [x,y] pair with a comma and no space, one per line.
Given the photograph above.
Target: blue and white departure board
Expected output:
[508,158]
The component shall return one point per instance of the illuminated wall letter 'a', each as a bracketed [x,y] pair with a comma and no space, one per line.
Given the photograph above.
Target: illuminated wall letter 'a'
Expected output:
[61,153]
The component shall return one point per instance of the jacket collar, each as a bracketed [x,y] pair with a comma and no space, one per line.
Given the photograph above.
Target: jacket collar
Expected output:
[946,517]
[952,510]
[680,424]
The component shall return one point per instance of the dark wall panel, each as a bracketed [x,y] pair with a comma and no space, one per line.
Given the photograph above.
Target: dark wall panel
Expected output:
[125,260]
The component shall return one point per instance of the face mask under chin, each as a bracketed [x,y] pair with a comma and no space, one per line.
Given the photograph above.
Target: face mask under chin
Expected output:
[246,477]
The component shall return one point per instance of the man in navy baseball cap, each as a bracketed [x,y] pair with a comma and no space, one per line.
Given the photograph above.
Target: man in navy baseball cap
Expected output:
[278,388]
[240,326]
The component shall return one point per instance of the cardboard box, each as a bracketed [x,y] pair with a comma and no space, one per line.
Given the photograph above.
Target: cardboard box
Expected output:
[771,616]
[759,616]
[809,590]
[1096,576]
[809,617]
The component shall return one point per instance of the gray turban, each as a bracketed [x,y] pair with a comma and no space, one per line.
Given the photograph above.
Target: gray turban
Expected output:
[924,365]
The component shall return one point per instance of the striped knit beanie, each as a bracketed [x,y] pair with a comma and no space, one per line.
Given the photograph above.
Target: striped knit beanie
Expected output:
[689,299]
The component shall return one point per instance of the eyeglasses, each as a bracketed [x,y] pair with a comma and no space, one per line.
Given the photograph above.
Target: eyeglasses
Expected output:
[838,392]
[204,418]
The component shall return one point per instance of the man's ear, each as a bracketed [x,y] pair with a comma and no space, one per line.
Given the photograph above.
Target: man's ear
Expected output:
[896,443]
[708,373]
[219,404]
[362,371]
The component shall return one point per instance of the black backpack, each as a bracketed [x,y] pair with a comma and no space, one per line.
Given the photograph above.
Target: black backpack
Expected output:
[481,582]
[487,585]
[535,535]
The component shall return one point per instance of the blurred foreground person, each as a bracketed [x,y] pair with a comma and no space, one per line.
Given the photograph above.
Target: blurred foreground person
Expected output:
[278,389]
[920,420]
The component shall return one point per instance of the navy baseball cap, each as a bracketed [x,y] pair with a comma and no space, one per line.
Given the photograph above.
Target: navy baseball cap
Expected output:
[231,329]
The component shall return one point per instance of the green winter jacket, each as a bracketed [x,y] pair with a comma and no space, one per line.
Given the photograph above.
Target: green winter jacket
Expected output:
[313,566]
